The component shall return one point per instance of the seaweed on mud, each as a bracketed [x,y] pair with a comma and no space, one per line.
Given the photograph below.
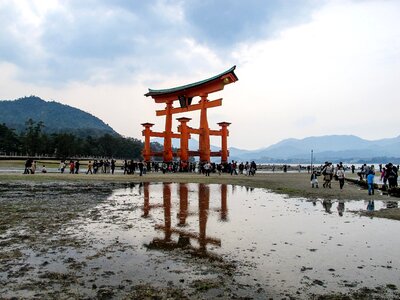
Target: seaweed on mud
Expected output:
[206,284]
[147,291]
[73,264]
[57,276]
[194,256]
[45,208]
[364,293]
[391,286]
[116,246]
[105,293]
[8,255]
[20,272]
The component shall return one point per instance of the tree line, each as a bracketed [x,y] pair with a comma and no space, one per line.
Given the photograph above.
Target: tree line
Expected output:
[33,141]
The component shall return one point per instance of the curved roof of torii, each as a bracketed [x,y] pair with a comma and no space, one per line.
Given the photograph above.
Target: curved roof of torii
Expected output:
[186,88]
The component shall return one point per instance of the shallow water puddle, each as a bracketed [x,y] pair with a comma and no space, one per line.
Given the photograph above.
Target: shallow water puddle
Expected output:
[282,244]
[215,240]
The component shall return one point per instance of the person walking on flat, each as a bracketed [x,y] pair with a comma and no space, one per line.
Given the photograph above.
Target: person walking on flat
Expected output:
[89,167]
[340,176]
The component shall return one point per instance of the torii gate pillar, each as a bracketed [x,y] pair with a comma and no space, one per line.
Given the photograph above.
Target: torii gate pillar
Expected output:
[224,141]
[168,155]
[185,135]
[204,138]
[146,150]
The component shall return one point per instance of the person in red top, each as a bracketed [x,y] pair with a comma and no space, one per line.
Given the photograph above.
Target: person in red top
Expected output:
[71,167]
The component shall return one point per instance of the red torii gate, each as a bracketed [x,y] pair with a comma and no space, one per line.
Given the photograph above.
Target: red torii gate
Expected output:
[185,94]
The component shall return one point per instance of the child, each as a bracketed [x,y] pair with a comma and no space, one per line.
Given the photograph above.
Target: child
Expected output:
[314,180]
[370,181]
[89,167]
[62,166]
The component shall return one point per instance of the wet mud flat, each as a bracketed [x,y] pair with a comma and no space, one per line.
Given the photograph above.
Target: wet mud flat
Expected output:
[190,241]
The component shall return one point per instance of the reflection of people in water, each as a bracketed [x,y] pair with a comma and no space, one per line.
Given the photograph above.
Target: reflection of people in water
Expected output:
[371,205]
[327,204]
[340,208]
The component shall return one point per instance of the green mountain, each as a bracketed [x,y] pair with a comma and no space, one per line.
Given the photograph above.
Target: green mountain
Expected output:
[55,116]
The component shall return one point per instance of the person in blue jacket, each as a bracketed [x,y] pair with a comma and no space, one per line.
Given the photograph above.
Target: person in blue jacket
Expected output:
[370,181]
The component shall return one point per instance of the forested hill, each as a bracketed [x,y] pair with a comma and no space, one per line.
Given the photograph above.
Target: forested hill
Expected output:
[55,116]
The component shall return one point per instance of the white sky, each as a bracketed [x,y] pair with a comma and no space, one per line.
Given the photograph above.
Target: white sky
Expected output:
[327,67]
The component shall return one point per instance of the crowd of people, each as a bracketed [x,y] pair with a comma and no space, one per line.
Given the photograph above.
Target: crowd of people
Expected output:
[31,167]
[388,175]
[97,166]
[232,168]
[106,166]
[205,168]
[328,171]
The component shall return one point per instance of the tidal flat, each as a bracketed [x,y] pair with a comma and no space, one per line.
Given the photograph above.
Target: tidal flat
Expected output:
[137,240]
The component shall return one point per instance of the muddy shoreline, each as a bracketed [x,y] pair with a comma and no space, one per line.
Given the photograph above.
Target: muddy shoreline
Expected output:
[45,254]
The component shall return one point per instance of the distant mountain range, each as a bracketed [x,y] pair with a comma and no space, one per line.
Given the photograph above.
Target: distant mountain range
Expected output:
[56,117]
[348,148]
[335,148]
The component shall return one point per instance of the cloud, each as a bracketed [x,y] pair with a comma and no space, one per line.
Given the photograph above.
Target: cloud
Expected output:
[337,71]
[61,42]
[335,63]
[226,23]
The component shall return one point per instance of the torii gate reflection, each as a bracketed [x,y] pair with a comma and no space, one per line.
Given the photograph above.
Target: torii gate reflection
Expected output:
[185,236]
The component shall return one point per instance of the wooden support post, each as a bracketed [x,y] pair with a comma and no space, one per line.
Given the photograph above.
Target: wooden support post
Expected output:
[184,147]
[224,141]
[168,155]
[146,133]
[204,138]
